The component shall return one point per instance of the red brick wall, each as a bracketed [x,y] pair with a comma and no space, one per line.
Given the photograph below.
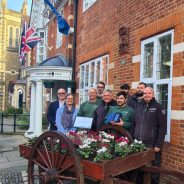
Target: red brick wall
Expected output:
[98,35]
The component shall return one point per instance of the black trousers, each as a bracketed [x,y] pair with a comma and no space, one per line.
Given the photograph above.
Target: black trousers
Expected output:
[52,127]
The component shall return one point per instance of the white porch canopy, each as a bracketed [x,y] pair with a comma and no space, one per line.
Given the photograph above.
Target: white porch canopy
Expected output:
[37,75]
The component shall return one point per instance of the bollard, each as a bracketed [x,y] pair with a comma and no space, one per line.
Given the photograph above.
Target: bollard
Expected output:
[14,123]
[2,122]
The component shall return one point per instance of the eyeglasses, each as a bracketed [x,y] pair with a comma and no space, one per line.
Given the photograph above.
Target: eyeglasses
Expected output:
[100,87]
[61,93]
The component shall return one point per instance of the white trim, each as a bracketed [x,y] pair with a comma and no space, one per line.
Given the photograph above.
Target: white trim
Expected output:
[178,48]
[134,85]
[153,79]
[177,115]
[87,4]
[136,59]
[178,81]
[89,77]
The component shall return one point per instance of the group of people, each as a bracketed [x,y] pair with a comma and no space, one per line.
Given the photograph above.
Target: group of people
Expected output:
[140,114]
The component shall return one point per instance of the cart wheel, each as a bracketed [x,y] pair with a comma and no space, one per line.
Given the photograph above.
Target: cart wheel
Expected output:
[54,160]
[117,130]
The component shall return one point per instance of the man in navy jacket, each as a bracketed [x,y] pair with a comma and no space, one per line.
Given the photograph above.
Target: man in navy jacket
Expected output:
[53,106]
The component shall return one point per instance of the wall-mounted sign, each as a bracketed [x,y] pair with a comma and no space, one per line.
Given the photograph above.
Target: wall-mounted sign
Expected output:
[124,40]
[45,75]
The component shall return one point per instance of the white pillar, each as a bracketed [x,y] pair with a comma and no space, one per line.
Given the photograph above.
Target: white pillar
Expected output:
[29,133]
[38,109]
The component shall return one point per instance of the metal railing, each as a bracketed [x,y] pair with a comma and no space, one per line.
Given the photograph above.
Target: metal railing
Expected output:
[9,122]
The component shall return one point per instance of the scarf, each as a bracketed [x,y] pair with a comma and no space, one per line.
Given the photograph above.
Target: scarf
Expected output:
[67,117]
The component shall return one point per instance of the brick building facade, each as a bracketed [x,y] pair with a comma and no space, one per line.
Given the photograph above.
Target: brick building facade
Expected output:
[144,41]
[127,42]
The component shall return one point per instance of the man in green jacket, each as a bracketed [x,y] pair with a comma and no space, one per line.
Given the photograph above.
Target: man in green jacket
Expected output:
[127,113]
[87,108]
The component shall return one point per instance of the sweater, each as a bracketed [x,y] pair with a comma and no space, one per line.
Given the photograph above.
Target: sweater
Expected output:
[127,115]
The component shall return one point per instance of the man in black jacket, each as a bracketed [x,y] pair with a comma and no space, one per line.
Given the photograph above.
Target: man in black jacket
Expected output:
[102,110]
[136,98]
[150,127]
[53,106]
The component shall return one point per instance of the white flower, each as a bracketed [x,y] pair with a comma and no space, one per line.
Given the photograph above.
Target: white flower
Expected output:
[103,149]
[105,140]
[84,146]
[122,143]
[136,141]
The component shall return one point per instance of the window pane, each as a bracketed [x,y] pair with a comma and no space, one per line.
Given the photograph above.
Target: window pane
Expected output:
[82,77]
[97,72]
[86,75]
[164,57]
[92,72]
[162,95]
[148,61]
[85,96]
[81,97]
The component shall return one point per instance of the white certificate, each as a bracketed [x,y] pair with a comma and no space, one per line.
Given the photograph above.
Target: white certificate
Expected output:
[83,122]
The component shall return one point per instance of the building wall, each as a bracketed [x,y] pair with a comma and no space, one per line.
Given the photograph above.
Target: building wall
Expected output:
[98,34]
[9,62]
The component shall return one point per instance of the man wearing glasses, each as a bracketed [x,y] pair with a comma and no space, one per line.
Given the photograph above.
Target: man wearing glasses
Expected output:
[100,90]
[51,113]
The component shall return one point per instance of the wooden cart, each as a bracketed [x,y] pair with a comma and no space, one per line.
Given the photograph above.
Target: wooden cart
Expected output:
[47,165]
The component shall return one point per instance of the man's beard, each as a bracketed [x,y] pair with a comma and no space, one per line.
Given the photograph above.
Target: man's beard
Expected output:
[139,94]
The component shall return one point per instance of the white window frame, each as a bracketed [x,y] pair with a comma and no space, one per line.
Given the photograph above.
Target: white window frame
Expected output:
[153,79]
[82,90]
[42,44]
[87,4]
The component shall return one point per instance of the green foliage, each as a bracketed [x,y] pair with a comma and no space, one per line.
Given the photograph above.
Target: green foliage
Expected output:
[12,110]
[31,141]
[122,150]
[22,122]
[103,155]
[86,152]
[137,147]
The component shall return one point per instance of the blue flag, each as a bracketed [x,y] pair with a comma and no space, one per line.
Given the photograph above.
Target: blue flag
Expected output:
[62,23]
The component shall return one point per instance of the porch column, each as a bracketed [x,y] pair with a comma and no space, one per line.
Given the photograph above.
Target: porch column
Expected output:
[29,133]
[38,109]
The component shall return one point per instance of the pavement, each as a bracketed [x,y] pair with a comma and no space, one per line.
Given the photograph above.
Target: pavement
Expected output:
[13,168]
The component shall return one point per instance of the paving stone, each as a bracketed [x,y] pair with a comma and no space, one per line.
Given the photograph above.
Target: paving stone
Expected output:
[11,177]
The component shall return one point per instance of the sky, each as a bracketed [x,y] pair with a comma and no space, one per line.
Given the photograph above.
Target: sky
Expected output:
[17,5]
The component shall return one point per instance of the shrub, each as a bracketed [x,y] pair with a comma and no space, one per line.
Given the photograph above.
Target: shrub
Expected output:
[12,110]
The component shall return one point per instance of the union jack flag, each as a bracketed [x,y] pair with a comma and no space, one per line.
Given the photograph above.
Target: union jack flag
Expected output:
[29,39]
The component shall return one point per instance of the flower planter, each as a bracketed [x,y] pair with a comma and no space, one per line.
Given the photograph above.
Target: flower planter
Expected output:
[103,169]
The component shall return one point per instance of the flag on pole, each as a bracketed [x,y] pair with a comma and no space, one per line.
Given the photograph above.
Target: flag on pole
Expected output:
[29,39]
[62,23]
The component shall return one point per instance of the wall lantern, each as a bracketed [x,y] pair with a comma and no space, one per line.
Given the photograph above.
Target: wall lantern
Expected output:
[124,40]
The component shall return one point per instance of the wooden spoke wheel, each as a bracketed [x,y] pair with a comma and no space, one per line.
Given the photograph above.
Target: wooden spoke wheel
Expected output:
[54,160]
[117,130]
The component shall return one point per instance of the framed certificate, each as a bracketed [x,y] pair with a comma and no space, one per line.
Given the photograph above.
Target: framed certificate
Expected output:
[83,122]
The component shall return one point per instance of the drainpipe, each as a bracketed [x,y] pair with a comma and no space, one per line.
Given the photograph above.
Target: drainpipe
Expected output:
[74,39]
